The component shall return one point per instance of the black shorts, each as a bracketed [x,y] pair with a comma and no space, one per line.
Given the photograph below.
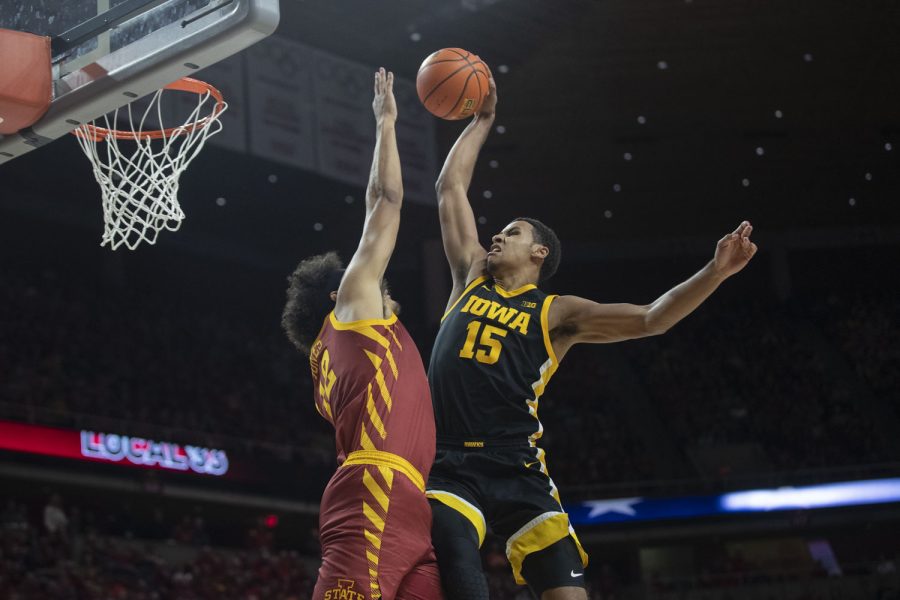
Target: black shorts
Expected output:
[506,488]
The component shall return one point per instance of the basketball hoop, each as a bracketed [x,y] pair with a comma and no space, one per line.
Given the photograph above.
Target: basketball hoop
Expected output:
[140,185]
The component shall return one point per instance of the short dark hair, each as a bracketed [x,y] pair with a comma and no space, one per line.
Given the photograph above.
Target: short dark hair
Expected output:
[308,298]
[545,236]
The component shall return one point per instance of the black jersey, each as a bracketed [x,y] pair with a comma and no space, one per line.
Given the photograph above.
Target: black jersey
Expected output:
[492,359]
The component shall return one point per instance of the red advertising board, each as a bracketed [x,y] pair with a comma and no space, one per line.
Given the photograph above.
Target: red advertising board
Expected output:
[109,447]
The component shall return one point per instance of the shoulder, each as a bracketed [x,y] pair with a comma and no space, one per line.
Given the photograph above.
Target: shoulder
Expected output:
[563,309]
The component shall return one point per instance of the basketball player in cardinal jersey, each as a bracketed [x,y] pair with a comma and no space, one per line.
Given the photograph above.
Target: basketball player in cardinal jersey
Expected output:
[369,382]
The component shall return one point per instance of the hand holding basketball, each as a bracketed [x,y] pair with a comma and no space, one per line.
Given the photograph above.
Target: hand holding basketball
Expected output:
[453,83]
[489,106]
[384,105]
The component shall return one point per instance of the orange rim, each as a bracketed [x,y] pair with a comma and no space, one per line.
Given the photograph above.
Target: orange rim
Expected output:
[185,84]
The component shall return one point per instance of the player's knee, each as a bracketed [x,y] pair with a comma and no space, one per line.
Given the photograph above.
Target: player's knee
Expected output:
[454,537]
[556,572]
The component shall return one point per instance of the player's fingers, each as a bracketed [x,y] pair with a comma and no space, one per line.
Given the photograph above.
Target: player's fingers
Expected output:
[741,227]
[390,81]
[747,231]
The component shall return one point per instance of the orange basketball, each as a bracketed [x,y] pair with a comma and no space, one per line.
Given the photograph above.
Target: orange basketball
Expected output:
[452,83]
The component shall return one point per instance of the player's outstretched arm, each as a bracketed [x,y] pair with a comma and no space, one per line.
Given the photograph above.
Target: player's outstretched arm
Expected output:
[359,296]
[464,253]
[577,320]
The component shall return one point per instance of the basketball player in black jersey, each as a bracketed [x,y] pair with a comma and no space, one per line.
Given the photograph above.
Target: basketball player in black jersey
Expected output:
[499,344]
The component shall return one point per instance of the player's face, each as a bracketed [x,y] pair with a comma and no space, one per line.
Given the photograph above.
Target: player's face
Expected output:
[511,248]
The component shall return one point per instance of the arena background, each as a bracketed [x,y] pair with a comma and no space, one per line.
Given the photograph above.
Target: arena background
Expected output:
[642,132]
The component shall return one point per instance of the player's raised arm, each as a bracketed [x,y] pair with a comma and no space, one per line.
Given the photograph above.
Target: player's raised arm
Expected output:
[577,320]
[360,295]
[464,253]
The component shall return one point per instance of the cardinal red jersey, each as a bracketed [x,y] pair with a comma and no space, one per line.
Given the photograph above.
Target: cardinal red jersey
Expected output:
[375,522]
[370,383]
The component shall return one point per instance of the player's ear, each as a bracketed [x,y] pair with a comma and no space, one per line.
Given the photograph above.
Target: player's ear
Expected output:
[539,251]
[333,296]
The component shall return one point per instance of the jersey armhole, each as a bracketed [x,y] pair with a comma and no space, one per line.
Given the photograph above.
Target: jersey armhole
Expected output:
[545,327]
[469,288]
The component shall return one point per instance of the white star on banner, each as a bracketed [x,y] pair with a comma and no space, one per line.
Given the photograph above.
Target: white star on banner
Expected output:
[617,505]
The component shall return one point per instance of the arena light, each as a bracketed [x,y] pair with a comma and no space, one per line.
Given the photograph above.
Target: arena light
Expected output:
[832,495]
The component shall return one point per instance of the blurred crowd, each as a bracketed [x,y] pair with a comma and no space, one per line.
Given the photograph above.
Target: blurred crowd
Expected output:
[69,558]
[756,373]
[70,356]
[867,328]
[70,553]
[749,373]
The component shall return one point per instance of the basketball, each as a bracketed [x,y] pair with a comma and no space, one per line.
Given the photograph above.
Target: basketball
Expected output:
[452,83]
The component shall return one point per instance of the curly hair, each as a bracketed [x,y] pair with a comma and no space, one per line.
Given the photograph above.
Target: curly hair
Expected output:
[545,236]
[308,298]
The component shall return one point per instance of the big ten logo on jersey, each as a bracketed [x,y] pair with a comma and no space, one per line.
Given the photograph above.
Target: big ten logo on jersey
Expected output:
[344,591]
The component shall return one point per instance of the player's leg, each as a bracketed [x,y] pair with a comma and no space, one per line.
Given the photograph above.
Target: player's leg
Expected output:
[422,583]
[556,572]
[407,568]
[542,547]
[344,572]
[456,543]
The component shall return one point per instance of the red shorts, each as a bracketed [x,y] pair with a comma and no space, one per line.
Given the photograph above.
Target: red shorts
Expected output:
[375,530]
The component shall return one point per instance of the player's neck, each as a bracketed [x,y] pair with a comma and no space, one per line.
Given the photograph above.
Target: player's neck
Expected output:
[513,281]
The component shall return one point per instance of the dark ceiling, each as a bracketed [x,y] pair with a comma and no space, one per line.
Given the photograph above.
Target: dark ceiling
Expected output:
[623,119]
[581,74]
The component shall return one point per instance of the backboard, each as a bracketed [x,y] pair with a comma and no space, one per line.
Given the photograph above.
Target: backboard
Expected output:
[106,53]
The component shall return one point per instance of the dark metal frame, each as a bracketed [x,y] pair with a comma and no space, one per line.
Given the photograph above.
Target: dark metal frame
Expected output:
[74,37]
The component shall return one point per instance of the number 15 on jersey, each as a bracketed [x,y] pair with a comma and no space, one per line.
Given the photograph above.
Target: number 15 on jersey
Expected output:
[488,346]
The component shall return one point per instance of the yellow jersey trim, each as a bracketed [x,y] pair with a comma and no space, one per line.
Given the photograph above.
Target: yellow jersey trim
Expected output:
[468,289]
[545,326]
[540,533]
[350,325]
[379,458]
[466,509]
[525,288]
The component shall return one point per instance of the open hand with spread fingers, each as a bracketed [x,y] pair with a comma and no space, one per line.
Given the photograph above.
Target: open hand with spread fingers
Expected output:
[735,250]
[384,105]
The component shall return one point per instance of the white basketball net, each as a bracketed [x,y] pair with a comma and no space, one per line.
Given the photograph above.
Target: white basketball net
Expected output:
[139,183]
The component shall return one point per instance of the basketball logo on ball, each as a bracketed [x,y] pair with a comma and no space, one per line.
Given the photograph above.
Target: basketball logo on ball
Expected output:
[452,83]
